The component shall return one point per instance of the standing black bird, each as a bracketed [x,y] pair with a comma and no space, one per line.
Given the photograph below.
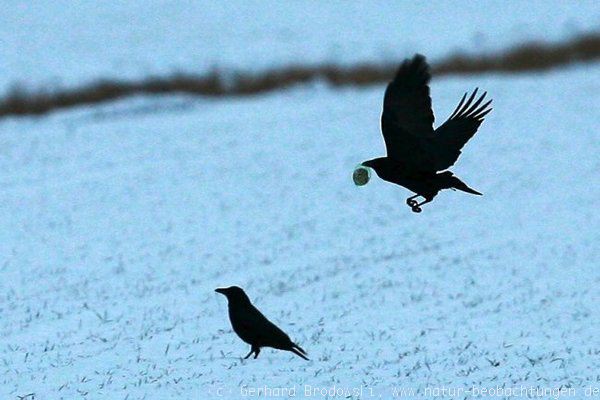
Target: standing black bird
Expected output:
[415,151]
[253,327]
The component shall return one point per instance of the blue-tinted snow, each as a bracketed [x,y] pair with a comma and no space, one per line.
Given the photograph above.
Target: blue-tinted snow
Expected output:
[45,44]
[118,222]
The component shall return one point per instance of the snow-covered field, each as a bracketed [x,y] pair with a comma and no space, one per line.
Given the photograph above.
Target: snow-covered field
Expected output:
[119,221]
[63,42]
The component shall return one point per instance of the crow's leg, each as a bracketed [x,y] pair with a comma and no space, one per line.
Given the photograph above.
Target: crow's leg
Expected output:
[249,354]
[417,206]
[411,201]
[256,351]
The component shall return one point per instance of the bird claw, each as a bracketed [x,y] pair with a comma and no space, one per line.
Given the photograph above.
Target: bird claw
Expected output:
[411,203]
[416,209]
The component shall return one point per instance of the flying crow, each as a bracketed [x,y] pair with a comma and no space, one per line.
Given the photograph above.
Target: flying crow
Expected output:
[415,151]
[253,327]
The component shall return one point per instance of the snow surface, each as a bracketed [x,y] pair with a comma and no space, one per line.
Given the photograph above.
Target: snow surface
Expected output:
[119,221]
[45,44]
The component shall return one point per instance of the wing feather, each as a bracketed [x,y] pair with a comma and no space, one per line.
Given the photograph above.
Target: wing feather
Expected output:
[452,135]
[407,118]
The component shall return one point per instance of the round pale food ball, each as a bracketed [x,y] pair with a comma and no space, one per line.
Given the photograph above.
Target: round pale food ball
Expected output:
[361,175]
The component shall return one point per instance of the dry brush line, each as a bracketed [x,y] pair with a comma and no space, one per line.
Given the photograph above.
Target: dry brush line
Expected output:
[528,57]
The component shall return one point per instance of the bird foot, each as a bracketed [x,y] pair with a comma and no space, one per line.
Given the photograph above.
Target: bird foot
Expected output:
[411,203]
[416,209]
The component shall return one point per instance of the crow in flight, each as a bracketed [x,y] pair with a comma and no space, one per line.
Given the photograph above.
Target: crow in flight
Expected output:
[415,151]
[253,327]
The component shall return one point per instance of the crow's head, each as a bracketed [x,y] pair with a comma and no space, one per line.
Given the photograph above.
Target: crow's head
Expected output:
[234,293]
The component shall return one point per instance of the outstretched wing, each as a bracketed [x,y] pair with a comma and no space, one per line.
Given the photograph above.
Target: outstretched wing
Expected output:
[452,135]
[407,118]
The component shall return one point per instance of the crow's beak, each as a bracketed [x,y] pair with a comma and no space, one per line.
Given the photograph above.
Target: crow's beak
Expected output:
[220,290]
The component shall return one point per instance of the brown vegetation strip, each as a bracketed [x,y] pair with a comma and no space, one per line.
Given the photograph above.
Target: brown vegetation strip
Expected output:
[528,57]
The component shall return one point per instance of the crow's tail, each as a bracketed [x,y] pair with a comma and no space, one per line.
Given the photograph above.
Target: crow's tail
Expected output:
[299,351]
[452,182]
[460,185]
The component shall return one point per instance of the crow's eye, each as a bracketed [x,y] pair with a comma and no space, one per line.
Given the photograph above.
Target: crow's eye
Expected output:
[361,175]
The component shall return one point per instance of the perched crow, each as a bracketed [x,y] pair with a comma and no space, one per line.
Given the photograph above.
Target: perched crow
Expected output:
[253,327]
[415,151]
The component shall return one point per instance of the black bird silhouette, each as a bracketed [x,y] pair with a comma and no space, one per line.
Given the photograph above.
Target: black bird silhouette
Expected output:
[415,151]
[253,327]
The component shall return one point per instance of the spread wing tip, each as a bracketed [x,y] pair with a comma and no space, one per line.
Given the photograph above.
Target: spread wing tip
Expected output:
[416,68]
[470,109]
